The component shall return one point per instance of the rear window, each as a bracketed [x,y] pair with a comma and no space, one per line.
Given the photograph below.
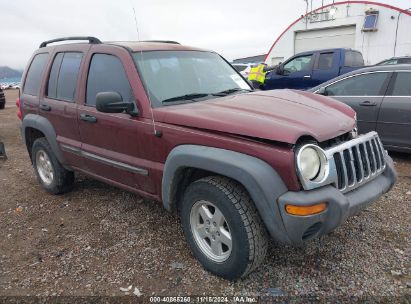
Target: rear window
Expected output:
[63,76]
[404,60]
[353,59]
[35,74]
[401,85]
[325,61]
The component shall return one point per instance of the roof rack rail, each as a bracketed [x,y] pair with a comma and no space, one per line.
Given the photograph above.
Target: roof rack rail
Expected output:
[92,40]
[162,41]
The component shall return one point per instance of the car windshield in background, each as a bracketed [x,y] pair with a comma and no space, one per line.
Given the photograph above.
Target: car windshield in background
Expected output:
[186,76]
[239,67]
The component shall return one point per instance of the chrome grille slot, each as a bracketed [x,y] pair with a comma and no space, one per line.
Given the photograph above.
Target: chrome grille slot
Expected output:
[357,161]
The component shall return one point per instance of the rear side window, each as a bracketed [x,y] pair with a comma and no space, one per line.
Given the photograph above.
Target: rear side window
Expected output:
[325,61]
[353,59]
[361,85]
[35,74]
[107,74]
[402,84]
[63,76]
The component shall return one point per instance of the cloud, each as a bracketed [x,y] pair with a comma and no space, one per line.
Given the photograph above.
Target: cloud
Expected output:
[234,28]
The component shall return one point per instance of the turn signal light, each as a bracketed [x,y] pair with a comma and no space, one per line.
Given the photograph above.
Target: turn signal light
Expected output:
[305,210]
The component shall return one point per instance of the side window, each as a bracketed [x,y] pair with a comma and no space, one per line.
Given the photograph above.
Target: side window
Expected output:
[35,74]
[361,85]
[54,74]
[63,76]
[353,59]
[298,64]
[107,74]
[401,85]
[325,61]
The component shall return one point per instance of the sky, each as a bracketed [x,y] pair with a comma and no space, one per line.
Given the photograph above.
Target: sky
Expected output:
[233,28]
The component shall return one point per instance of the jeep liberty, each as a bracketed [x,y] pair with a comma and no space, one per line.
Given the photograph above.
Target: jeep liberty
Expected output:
[181,126]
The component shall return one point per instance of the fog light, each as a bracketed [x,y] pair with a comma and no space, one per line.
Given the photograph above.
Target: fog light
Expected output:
[305,210]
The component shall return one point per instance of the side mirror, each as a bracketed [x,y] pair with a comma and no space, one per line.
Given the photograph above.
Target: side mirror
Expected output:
[112,102]
[322,91]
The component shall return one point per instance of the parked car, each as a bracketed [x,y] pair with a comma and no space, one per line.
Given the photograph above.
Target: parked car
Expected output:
[309,69]
[243,68]
[381,96]
[396,60]
[2,100]
[179,125]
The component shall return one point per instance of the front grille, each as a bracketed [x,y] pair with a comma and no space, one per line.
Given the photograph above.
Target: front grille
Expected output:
[358,161]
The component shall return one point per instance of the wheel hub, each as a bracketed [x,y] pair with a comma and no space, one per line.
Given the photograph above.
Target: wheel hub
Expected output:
[44,167]
[211,231]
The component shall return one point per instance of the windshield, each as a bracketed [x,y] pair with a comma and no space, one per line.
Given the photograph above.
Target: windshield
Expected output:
[186,76]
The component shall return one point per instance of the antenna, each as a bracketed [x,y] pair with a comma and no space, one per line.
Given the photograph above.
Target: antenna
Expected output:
[155,131]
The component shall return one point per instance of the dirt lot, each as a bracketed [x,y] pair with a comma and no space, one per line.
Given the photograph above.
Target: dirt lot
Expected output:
[97,239]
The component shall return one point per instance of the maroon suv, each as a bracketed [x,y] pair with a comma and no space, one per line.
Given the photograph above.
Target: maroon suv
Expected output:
[179,125]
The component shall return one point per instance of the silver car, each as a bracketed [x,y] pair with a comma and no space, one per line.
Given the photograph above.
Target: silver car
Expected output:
[381,96]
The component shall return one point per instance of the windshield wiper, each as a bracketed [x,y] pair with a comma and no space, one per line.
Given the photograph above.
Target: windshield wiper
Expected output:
[191,96]
[230,91]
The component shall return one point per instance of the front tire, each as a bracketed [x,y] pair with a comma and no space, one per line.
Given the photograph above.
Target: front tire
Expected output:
[50,173]
[222,227]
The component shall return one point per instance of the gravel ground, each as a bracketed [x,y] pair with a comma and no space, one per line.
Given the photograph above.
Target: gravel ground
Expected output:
[98,239]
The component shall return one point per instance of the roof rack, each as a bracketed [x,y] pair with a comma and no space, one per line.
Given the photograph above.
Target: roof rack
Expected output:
[92,40]
[162,41]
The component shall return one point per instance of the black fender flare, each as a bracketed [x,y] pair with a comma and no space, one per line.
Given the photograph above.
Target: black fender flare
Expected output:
[43,125]
[261,181]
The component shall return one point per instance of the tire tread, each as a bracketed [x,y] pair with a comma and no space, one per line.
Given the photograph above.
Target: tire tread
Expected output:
[256,231]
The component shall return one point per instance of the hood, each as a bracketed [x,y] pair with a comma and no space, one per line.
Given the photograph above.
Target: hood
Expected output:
[279,115]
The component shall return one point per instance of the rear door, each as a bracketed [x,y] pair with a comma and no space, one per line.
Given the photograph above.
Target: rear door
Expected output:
[326,67]
[58,101]
[394,120]
[364,93]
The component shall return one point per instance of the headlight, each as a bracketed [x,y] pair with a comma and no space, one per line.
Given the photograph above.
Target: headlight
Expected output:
[311,163]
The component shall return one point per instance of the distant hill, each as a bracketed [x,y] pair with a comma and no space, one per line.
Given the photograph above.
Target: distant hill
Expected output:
[6,72]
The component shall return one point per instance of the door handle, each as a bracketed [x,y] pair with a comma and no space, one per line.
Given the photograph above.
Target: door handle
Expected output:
[45,107]
[367,103]
[88,118]
[307,76]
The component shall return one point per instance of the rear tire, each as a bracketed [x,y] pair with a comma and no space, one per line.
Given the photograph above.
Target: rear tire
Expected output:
[50,173]
[222,227]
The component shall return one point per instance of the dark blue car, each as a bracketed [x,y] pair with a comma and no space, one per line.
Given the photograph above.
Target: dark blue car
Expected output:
[309,69]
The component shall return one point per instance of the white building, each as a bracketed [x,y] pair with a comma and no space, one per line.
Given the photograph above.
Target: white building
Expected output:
[379,31]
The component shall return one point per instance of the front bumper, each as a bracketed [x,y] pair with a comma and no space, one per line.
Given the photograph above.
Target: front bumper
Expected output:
[340,206]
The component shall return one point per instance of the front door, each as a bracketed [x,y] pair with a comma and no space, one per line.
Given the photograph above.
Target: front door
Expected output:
[115,144]
[364,93]
[298,72]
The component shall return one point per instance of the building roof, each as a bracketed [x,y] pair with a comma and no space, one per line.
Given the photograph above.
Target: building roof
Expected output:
[250,59]
[403,11]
